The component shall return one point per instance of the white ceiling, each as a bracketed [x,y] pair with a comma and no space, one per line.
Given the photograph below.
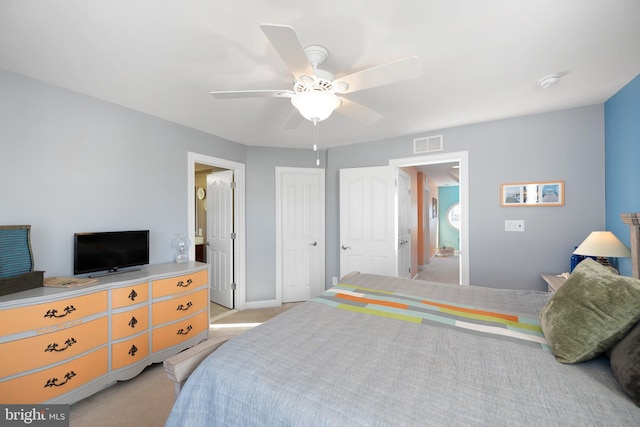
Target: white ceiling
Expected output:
[481,59]
[442,174]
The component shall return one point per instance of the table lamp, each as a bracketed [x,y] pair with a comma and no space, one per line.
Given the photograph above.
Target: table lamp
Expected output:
[602,245]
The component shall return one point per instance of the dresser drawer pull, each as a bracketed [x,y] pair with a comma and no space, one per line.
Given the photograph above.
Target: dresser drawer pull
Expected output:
[54,313]
[53,382]
[186,307]
[133,350]
[185,332]
[183,284]
[133,322]
[133,295]
[54,346]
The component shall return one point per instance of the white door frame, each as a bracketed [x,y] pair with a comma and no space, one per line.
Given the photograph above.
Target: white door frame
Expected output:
[402,247]
[321,231]
[238,212]
[462,157]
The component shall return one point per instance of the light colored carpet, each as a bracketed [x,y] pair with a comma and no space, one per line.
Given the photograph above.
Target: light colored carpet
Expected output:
[146,400]
[442,269]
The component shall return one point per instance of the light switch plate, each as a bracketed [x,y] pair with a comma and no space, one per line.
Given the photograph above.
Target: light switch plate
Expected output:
[513,225]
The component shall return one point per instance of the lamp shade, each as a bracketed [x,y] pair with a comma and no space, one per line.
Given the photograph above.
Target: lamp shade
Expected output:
[315,105]
[602,244]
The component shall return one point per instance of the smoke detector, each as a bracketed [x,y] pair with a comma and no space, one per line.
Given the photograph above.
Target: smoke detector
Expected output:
[549,81]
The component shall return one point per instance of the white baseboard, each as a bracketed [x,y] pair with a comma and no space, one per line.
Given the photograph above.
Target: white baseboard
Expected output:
[262,304]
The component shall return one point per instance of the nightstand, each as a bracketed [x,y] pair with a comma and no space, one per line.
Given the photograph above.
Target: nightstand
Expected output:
[553,281]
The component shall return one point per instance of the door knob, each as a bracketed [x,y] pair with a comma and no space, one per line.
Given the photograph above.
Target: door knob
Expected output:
[313,244]
[344,248]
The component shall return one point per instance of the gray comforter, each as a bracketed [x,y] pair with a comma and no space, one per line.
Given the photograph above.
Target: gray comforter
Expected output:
[317,365]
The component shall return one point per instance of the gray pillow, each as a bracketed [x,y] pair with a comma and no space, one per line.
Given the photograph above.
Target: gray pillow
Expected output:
[592,311]
[625,363]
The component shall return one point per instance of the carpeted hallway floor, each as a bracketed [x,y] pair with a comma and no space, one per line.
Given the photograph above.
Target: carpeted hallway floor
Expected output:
[443,269]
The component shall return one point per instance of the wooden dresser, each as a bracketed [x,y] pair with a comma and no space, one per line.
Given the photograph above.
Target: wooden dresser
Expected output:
[62,345]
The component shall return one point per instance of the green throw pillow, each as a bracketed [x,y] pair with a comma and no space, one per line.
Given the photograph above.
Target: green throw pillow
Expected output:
[592,311]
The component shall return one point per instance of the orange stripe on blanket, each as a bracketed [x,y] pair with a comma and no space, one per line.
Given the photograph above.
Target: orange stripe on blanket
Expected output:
[471,310]
[372,301]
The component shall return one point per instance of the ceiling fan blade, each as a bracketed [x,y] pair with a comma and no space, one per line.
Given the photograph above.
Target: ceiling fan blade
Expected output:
[293,120]
[358,112]
[286,42]
[392,72]
[225,94]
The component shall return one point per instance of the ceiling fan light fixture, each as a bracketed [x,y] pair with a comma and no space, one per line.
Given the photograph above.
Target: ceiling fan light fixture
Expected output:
[315,105]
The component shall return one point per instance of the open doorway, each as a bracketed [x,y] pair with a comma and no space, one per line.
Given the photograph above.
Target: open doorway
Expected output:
[439,250]
[438,166]
[196,221]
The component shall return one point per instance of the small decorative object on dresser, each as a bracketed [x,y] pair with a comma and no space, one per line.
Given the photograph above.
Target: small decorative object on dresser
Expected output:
[181,243]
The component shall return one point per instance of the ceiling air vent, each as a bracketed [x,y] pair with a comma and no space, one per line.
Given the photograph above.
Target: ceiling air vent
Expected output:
[428,144]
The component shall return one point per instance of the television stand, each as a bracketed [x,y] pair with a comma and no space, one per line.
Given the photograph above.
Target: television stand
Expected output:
[115,271]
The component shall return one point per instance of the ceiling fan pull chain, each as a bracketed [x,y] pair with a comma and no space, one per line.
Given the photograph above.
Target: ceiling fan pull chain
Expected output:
[315,135]
[315,142]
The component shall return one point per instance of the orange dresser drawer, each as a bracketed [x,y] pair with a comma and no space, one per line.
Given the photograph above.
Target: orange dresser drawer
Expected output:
[129,295]
[174,285]
[129,322]
[34,352]
[175,333]
[51,314]
[179,307]
[127,352]
[50,383]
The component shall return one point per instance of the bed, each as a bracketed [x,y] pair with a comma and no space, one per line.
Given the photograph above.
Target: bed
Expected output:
[382,351]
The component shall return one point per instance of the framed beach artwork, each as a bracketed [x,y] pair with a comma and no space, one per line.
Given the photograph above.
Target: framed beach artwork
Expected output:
[523,194]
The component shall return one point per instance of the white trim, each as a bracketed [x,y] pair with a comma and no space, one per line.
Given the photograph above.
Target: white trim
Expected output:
[239,214]
[263,304]
[321,218]
[462,157]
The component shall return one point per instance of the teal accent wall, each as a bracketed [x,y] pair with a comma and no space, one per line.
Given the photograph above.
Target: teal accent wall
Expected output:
[622,153]
[447,196]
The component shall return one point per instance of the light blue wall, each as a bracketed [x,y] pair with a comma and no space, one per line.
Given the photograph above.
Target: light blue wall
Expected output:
[447,196]
[564,145]
[622,154]
[261,214]
[71,163]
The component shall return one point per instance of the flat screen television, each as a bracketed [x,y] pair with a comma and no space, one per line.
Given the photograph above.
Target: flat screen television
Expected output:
[109,251]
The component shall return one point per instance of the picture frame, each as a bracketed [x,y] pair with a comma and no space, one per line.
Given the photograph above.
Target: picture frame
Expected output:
[532,194]
[434,207]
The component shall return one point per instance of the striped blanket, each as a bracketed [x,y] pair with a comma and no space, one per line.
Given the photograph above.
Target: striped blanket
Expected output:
[415,309]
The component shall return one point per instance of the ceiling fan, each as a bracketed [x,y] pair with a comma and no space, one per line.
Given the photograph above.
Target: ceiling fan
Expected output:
[316,92]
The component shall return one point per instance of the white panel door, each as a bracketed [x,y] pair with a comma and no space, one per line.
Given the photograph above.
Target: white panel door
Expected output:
[367,220]
[301,232]
[220,237]
[404,224]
